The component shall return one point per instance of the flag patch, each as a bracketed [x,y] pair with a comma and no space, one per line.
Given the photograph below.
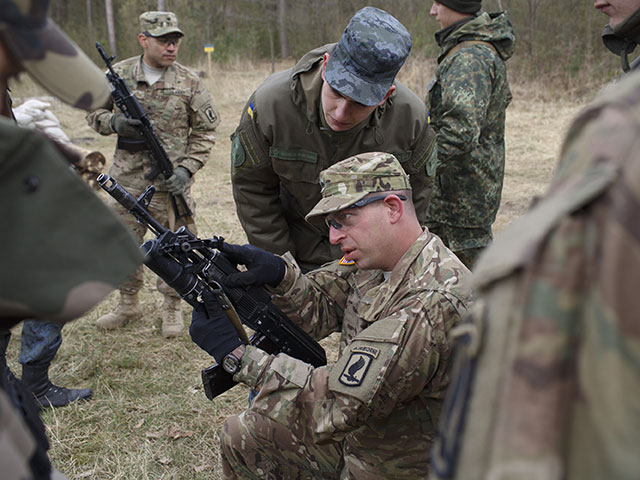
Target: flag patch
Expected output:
[250,109]
[344,261]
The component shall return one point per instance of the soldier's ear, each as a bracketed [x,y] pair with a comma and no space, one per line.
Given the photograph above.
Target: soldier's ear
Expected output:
[325,59]
[142,40]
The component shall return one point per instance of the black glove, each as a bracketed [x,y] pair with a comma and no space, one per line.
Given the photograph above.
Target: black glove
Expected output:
[211,330]
[263,268]
[125,127]
[177,183]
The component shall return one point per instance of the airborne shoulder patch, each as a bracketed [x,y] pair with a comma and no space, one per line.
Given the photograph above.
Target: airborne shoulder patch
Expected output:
[356,368]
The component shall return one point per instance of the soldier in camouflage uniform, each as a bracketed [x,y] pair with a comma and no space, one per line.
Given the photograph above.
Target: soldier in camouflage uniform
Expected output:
[467,99]
[63,249]
[548,379]
[339,100]
[622,34]
[394,296]
[185,119]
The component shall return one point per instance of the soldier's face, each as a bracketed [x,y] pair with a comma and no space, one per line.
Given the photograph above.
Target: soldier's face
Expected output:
[617,10]
[444,15]
[160,52]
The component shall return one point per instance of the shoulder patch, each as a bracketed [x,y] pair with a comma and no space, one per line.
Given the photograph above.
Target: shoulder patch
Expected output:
[210,113]
[356,368]
[251,109]
[344,261]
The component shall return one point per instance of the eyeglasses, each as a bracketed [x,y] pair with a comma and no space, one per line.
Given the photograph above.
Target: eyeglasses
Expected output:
[166,40]
[345,218]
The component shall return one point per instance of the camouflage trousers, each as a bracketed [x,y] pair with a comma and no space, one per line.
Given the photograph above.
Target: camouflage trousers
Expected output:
[466,243]
[161,209]
[255,447]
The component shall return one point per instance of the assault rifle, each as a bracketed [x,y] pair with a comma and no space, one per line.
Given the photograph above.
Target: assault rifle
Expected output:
[129,105]
[189,265]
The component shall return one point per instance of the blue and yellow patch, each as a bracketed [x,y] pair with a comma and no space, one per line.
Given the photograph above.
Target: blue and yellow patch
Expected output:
[250,109]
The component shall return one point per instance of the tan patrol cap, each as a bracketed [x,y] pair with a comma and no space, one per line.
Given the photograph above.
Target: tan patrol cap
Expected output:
[352,179]
[49,56]
[157,24]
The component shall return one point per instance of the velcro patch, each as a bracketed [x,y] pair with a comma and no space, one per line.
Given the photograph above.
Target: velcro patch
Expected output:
[356,369]
[210,114]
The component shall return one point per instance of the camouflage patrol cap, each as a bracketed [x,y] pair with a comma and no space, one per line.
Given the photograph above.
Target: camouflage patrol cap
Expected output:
[368,56]
[352,179]
[157,24]
[49,56]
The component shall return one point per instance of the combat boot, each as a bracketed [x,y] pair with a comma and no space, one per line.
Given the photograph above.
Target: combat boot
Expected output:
[127,309]
[172,321]
[35,379]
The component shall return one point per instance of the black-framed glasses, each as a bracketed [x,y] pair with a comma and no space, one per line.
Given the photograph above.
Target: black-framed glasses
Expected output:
[344,219]
[167,40]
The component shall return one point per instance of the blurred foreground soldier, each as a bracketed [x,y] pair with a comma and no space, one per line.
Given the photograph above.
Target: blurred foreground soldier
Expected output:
[467,99]
[64,250]
[338,101]
[394,296]
[622,34]
[185,120]
[549,376]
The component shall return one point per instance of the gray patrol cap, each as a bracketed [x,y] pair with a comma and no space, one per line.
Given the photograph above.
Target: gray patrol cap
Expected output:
[49,56]
[368,56]
[157,24]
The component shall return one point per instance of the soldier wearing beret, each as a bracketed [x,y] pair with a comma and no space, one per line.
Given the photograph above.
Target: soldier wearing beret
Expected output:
[339,100]
[394,296]
[467,99]
[63,249]
[185,120]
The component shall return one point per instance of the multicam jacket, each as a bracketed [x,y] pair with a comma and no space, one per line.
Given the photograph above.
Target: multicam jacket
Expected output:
[549,378]
[383,396]
[282,144]
[182,114]
[467,100]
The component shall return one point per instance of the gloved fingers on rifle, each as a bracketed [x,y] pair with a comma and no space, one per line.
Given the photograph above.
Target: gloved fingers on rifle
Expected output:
[124,126]
[178,182]
[263,268]
[212,330]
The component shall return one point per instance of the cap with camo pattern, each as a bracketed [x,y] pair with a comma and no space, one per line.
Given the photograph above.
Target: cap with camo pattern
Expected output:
[49,56]
[368,56]
[352,179]
[157,24]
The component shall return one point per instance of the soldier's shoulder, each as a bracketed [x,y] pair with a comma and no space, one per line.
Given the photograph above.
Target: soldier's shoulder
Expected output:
[186,72]
[13,137]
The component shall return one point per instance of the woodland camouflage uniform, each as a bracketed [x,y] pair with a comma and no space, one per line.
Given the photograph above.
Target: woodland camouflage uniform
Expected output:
[549,374]
[283,143]
[185,119]
[467,99]
[372,414]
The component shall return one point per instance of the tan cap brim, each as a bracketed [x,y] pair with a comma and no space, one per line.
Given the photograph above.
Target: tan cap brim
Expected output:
[54,61]
[331,204]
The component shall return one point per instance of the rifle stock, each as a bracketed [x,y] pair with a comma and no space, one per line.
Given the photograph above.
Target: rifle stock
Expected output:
[189,265]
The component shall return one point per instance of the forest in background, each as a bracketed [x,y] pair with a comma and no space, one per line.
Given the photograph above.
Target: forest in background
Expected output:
[558,42]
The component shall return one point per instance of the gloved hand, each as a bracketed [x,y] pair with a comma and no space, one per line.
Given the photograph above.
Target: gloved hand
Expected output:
[211,329]
[125,127]
[263,268]
[177,183]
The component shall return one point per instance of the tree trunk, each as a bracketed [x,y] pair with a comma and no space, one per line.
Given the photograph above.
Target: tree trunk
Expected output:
[282,24]
[92,37]
[162,6]
[111,30]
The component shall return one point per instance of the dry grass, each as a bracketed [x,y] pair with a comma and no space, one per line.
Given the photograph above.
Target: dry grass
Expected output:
[149,418]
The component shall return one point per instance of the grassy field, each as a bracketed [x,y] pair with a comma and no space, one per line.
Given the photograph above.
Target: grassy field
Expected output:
[149,417]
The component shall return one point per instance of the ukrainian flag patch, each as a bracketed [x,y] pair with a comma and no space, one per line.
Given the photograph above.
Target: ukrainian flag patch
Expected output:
[250,109]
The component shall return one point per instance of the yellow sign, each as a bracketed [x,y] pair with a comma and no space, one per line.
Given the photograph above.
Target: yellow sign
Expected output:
[209,48]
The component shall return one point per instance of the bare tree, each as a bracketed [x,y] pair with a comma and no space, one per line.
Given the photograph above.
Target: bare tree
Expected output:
[162,6]
[533,7]
[111,30]
[90,22]
[282,24]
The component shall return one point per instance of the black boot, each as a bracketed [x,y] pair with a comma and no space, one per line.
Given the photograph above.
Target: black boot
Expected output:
[36,380]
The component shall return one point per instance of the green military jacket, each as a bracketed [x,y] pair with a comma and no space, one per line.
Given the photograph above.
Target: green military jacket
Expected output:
[467,99]
[548,377]
[383,396]
[182,113]
[282,144]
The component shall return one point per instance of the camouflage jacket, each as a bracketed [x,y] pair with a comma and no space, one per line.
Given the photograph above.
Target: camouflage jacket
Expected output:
[549,377]
[383,396]
[467,99]
[182,114]
[64,250]
[282,144]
